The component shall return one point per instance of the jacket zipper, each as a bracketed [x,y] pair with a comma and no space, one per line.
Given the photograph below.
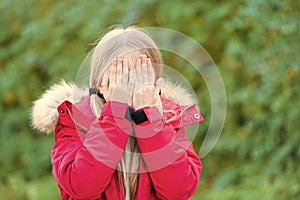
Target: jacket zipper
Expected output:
[85,130]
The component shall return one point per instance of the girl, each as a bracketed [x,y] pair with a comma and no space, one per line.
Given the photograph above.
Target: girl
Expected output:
[126,138]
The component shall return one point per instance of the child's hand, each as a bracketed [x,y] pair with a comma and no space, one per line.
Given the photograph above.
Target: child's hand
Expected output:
[117,85]
[146,91]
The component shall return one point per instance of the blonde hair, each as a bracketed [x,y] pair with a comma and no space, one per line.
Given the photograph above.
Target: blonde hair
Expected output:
[116,42]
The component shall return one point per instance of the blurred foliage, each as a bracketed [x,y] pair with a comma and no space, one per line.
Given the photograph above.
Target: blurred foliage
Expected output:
[255,44]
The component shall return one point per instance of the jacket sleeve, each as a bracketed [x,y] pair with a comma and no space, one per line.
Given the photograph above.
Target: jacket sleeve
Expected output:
[84,168]
[173,166]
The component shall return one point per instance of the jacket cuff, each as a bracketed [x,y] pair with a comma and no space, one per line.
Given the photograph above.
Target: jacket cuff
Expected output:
[148,114]
[153,114]
[115,109]
[150,141]
[105,144]
[151,135]
[118,112]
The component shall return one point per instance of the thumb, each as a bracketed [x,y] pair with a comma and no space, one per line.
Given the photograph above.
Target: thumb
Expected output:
[158,85]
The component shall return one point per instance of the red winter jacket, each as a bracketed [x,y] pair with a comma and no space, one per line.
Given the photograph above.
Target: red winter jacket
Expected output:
[88,149]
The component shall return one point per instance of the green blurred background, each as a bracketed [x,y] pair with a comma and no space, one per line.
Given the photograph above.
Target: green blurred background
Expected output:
[255,45]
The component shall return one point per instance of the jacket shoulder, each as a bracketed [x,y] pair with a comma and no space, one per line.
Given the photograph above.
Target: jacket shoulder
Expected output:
[44,115]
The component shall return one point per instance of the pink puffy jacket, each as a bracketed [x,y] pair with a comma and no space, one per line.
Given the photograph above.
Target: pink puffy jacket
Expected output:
[88,149]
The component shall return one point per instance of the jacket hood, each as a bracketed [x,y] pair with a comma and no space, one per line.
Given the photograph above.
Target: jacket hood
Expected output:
[44,115]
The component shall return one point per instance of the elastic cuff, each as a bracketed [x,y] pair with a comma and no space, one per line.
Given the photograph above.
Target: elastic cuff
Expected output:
[139,117]
[152,113]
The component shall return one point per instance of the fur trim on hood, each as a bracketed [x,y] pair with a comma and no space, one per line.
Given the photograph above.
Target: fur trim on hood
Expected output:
[44,114]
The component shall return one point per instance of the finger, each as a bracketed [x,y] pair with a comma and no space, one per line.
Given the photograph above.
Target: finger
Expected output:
[125,72]
[159,82]
[144,69]
[131,85]
[131,81]
[144,59]
[151,73]
[134,76]
[112,74]
[125,66]
[119,69]
[138,74]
